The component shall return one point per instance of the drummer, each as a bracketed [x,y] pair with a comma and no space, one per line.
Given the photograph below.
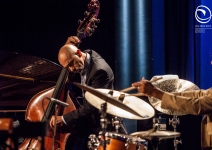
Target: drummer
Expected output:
[190,102]
[91,69]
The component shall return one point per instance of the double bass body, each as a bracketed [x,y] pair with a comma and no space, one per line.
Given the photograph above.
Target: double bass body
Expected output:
[35,112]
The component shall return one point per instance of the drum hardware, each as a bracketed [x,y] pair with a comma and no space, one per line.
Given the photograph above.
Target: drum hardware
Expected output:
[176,142]
[155,127]
[174,121]
[157,123]
[93,144]
[121,105]
[156,136]
[103,122]
[114,140]
[116,123]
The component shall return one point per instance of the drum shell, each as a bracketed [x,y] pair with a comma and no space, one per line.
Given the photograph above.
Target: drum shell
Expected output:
[116,141]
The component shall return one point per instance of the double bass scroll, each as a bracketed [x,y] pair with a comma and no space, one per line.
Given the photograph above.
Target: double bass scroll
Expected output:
[87,26]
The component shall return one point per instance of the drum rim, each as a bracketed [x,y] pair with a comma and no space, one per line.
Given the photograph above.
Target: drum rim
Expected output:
[126,138]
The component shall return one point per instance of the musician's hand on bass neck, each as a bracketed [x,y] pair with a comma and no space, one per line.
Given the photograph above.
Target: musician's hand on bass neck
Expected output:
[73,40]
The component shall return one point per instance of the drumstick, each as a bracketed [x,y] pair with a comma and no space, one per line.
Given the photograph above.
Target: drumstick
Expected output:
[137,94]
[132,88]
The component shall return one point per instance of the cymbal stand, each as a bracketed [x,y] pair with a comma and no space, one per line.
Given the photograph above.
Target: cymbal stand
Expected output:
[155,142]
[118,123]
[103,122]
[174,121]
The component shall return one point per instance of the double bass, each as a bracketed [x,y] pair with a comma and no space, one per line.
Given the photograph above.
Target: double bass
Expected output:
[41,109]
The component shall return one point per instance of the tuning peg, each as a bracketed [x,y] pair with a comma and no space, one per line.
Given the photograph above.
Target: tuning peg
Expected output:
[79,21]
[96,20]
[90,34]
[86,13]
[93,26]
[90,30]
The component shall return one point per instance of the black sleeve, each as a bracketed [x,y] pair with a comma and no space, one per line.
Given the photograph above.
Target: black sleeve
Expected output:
[99,80]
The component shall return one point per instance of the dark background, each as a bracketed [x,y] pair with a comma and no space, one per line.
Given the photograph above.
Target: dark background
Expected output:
[40,28]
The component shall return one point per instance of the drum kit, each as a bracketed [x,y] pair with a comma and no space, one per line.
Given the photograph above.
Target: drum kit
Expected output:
[121,104]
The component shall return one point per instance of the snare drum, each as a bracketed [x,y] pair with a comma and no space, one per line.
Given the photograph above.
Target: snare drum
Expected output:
[116,141]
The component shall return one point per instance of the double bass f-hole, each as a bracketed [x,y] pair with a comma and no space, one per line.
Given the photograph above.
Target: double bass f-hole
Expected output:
[40,109]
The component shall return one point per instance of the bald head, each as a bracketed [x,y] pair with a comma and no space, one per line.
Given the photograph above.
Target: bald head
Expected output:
[66,53]
[70,56]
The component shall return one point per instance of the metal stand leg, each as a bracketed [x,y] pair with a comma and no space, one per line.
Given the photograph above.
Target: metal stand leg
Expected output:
[103,122]
[174,121]
[155,142]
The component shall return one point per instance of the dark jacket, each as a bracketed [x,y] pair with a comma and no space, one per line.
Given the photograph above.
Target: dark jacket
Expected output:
[86,118]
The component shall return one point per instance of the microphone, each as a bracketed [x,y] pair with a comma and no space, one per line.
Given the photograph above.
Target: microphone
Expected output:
[58,101]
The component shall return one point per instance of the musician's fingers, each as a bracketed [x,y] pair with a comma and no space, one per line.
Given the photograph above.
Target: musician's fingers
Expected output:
[52,122]
[73,40]
[76,39]
[136,84]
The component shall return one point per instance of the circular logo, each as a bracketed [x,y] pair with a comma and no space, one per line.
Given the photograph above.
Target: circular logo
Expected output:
[203,14]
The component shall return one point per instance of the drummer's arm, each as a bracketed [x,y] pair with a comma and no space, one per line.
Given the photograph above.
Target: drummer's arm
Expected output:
[147,88]
[199,102]
[192,93]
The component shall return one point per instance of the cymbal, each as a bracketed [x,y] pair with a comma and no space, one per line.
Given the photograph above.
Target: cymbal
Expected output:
[129,107]
[172,85]
[96,98]
[157,134]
